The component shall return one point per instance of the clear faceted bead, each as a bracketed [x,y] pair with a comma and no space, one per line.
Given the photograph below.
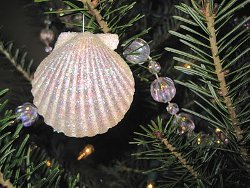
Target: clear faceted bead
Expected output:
[172,108]
[137,52]
[47,35]
[154,67]
[162,89]
[184,123]
[27,113]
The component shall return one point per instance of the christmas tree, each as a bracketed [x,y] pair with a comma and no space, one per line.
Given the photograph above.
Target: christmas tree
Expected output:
[188,124]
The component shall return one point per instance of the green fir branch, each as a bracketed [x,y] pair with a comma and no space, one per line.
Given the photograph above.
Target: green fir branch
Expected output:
[210,54]
[17,59]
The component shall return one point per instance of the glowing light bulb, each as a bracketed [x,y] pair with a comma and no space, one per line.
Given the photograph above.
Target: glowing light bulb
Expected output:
[187,66]
[199,141]
[150,185]
[87,150]
[217,130]
[48,163]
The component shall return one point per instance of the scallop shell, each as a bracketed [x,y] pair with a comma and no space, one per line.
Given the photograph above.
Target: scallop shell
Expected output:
[83,87]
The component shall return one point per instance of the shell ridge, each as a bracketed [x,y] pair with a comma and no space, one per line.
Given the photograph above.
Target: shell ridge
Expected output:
[50,95]
[44,66]
[84,77]
[78,95]
[50,62]
[87,128]
[123,68]
[115,96]
[41,92]
[70,101]
[92,115]
[41,66]
[57,108]
[107,104]
[45,74]
[54,109]
[67,91]
[95,85]
[127,79]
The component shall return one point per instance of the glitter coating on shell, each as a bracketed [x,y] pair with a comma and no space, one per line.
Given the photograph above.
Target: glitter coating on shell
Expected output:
[83,87]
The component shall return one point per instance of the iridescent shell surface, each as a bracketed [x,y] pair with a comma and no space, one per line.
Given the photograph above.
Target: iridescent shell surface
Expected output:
[83,87]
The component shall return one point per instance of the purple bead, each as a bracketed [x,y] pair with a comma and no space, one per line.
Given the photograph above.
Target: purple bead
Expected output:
[27,113]
[162,89]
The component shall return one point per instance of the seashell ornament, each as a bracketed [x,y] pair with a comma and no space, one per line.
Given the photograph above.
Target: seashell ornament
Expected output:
[83,87]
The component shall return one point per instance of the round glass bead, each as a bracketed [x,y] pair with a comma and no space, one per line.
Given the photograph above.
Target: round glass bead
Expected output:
[48,49]
[47,22]
[184,123]
[47,36]
[162,89]
[137,52]
[27,114]
[172,108]
[154,67]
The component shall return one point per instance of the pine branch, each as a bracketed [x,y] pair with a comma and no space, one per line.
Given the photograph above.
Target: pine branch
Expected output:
[210,18]
[179,156]
[22,164]
[13,60]
[172,153]
[5,183]
[98,16]
[218,68]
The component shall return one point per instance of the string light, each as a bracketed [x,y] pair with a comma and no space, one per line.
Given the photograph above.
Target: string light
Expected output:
[187,66]
[217,130]
[221,138]
[199,141]
[218,142]
[48,163]
[150,185]
[87,150]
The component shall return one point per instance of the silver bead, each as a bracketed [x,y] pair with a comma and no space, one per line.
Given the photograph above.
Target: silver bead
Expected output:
[172,108]
[137,52]
[162,89]
[154,67]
